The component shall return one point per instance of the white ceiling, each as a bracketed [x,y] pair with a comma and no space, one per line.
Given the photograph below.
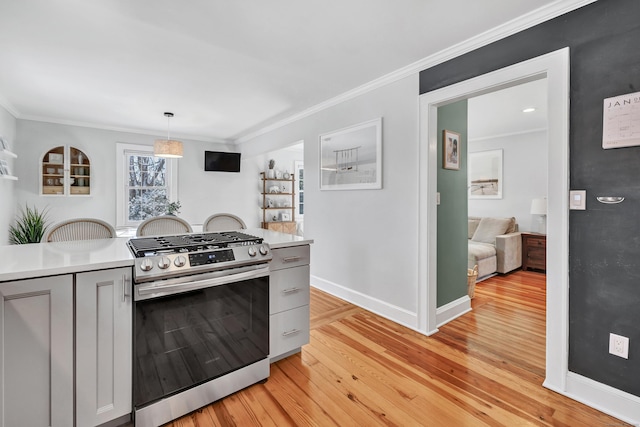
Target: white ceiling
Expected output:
[224,68]
[500,113]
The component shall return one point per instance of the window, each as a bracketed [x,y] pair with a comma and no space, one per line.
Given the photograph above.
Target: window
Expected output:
[299,170]
[145,184]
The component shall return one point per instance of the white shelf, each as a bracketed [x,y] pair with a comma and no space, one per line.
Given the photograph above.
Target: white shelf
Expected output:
[8,153]
[11,177]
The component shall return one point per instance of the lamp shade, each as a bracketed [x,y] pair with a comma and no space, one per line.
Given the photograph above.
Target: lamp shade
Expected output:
[167,148]
[539,206]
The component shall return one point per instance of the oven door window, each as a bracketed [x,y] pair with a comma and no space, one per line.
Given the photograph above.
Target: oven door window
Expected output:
[187,339]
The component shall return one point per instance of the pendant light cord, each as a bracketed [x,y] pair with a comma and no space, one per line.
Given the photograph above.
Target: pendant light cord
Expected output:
[168,115]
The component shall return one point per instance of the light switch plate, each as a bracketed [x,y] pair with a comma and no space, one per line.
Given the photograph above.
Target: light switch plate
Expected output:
[578,200]
[438,198]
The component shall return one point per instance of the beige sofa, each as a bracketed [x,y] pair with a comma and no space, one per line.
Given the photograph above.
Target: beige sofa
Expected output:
[495,245]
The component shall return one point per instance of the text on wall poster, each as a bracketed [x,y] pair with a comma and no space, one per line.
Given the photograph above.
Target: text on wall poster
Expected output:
[621,121]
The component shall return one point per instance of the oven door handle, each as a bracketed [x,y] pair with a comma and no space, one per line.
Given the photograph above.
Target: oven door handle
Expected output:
[158,289]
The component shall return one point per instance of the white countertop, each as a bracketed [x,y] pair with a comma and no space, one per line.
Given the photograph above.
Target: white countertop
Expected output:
[50,259]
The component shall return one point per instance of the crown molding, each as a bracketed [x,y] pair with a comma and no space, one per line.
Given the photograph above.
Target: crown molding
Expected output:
[4,103]
[200,138]
[531,19]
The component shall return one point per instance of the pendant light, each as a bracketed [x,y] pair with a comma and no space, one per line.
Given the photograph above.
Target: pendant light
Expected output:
[167,147]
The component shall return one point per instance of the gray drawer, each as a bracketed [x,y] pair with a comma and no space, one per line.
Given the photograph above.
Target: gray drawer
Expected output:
[290,257]
[288,288]
[288,330]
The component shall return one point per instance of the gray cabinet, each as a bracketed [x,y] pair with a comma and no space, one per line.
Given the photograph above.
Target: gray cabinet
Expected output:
[36,352]
[103,346]
[288,301]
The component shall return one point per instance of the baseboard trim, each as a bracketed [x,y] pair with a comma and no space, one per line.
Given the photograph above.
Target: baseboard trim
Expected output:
[384,309]
[604,398]
[452,310]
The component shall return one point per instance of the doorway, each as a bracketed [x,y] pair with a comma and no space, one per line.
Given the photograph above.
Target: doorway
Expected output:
[290,159]
[555,67]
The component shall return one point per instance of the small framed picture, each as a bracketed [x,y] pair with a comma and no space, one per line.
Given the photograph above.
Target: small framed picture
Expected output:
[56,158]
[450,150]
[284,216]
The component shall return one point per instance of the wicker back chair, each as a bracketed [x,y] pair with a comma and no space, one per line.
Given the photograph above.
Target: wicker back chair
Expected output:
[161,225]
[223,222]
[79,229]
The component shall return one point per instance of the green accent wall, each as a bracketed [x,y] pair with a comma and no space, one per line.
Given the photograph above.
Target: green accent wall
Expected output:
[452,211]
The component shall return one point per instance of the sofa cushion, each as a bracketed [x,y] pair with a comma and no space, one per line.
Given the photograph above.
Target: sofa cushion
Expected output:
[479,251]
[489,228]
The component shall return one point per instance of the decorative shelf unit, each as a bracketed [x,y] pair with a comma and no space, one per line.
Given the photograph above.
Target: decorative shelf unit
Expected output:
[4,154]
[274,211]
[65,171]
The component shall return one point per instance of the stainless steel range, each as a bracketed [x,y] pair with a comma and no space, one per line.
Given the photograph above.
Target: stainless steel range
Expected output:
[201,323]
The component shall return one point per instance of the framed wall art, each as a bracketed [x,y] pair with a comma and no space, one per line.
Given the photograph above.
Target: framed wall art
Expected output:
[484,174]
[450,150]
[351,158]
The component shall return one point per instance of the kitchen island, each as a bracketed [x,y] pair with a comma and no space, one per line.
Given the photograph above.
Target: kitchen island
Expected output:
[51,259]
[71,301]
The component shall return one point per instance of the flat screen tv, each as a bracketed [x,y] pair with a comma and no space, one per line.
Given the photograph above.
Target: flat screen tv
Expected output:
[219,161]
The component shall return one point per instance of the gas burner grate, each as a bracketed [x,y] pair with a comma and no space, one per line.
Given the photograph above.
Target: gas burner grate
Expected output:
[152,245]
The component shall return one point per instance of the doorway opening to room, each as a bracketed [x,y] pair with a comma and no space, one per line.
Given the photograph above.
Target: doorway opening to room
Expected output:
[289,162]
[506,179]
[554,68]
[506,185]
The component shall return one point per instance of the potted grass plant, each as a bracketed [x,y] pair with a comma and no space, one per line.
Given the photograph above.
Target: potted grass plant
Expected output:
[29,226]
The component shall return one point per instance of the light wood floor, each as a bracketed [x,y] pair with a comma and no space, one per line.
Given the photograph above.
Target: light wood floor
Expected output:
[482,369]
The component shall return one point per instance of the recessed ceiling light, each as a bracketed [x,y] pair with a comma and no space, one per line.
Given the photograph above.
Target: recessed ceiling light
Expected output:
[529,110]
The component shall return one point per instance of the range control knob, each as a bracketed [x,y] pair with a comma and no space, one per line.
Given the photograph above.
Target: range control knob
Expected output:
[180,261]
[164,262]
[263,250]
[146,264]
[252,251]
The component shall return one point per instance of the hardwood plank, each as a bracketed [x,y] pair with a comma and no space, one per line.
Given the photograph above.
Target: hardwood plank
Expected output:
[485,368]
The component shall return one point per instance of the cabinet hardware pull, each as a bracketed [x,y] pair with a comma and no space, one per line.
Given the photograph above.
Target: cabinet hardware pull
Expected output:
[291,332]
[290,290]
[291,259]
[124,287]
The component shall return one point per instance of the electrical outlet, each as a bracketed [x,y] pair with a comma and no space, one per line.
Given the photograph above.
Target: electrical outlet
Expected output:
[619,345]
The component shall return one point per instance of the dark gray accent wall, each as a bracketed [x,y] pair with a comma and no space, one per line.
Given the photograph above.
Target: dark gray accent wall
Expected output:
[604,240]
[452,211]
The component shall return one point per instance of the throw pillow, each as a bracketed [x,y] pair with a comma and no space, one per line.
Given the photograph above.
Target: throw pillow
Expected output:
[489,228]
[473,225]
[512,225]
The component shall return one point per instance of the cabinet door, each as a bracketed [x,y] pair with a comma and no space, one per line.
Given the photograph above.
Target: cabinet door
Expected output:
[36,352]
[103,346]
[65,171]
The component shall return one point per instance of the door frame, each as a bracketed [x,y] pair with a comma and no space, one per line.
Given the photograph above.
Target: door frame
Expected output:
[555,67]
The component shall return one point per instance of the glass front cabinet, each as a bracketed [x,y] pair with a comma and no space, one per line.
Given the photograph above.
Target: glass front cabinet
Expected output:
[65,171]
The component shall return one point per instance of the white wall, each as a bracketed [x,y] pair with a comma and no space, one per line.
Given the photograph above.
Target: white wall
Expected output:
[365,241]
[201,193]
[524,171]
[7,187]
